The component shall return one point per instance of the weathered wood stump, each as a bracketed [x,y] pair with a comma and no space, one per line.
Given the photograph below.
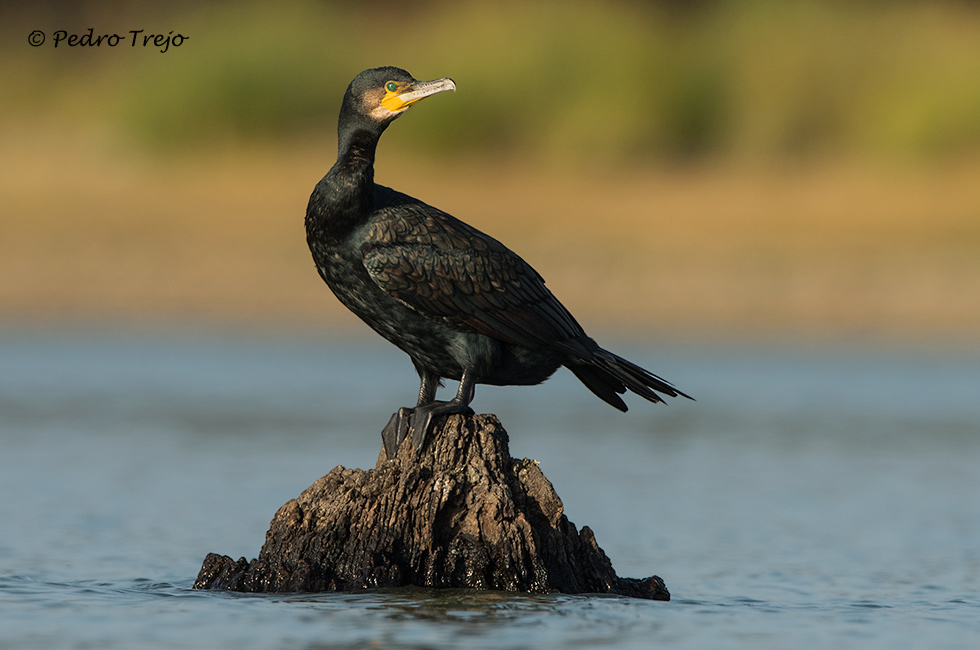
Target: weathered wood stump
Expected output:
[461,513]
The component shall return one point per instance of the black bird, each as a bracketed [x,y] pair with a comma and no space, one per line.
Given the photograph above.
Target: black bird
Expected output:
[458,302]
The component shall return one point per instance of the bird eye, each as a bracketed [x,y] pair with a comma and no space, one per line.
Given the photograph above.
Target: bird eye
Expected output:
[391,86]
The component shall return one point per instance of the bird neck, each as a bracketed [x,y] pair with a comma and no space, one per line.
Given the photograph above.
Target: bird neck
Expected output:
[353,173]
[343,198]
[356,148]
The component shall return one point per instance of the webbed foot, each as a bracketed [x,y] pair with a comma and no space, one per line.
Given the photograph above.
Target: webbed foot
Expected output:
[396,431]
[419,420]
[423,416]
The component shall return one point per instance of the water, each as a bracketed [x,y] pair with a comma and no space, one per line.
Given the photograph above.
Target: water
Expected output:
[811,498]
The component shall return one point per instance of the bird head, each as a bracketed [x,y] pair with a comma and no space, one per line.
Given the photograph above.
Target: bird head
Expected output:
[382,94]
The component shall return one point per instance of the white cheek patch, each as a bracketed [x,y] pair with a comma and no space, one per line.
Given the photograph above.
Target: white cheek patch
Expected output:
[380,113]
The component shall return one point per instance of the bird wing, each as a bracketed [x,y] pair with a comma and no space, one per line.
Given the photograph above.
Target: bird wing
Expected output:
[447,270]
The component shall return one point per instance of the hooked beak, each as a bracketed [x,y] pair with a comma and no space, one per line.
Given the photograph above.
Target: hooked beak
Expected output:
[405,95]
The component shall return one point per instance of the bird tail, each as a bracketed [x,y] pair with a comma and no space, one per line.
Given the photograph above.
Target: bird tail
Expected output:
[609,376]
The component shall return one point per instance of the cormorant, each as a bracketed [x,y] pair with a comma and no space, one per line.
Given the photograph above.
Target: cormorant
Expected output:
[457,301]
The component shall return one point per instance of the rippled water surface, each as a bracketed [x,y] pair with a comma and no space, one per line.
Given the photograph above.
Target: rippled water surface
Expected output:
[810,498]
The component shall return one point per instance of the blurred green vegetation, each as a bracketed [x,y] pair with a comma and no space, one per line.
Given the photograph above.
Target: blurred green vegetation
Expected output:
[741,165]
[577,80]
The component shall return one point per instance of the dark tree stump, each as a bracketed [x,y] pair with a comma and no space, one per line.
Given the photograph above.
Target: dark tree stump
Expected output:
[461,513]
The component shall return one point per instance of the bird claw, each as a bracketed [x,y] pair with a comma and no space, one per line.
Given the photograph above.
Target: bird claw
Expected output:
[396,431]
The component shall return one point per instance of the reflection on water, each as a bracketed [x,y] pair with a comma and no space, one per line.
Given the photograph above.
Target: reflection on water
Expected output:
[809,497]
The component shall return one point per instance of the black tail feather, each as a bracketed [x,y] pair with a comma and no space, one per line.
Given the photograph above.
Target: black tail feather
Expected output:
[607,388]
[608,375]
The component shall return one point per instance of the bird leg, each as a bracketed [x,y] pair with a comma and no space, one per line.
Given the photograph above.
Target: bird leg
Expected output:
[422,417]
[398,426]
